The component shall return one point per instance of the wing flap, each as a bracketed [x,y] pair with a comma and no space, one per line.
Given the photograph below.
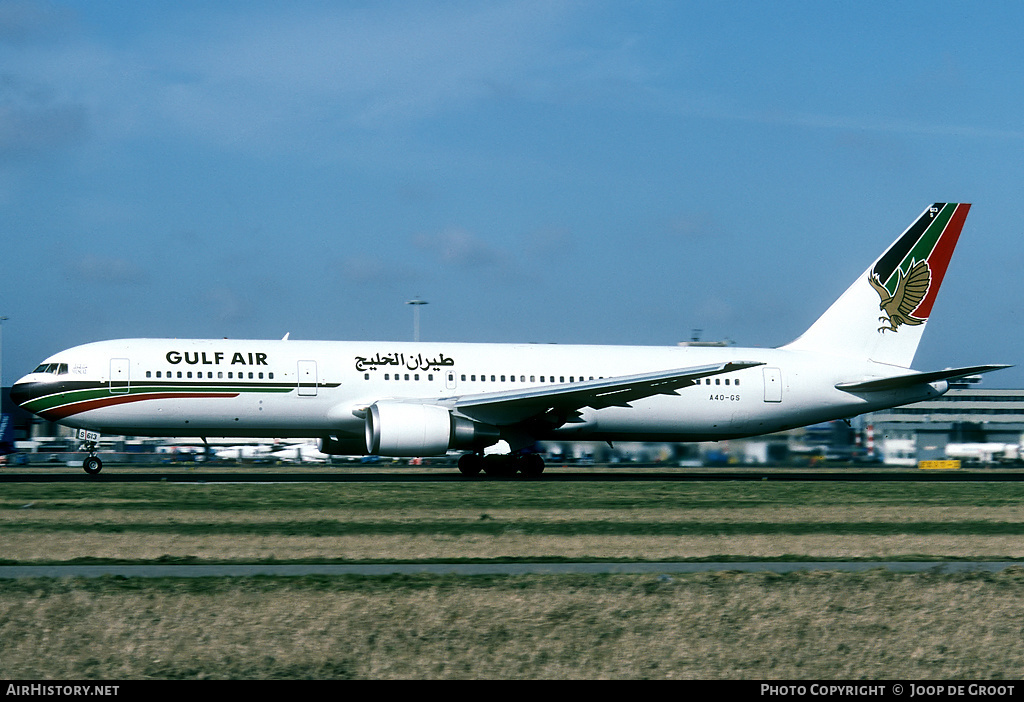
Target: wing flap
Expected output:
[510,407]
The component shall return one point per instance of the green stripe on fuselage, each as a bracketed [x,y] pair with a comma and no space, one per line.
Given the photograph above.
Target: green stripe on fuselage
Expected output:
[103,391]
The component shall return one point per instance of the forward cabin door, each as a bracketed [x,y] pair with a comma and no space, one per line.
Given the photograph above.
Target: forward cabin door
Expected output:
[772,385]
[119,375]
[307,378]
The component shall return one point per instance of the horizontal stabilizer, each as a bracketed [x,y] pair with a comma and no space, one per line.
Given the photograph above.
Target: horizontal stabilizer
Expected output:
[904,381]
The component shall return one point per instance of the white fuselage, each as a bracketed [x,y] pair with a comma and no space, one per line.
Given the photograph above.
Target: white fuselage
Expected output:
[279,389]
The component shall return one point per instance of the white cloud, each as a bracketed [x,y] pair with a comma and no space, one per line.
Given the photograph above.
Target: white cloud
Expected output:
[32,120]
[107,270]
[290,72]
[460,248]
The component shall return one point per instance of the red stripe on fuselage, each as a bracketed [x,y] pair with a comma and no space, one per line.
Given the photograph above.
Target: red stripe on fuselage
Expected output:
[58,413]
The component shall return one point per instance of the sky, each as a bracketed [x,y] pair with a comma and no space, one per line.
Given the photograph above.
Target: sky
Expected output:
[567,171]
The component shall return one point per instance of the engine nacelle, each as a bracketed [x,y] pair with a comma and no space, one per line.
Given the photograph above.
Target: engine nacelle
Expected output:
[413,429]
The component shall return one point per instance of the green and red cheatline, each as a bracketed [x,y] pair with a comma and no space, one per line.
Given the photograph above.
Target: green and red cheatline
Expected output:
[74,397]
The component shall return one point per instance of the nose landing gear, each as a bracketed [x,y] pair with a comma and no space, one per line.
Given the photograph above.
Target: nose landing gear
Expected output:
[92,465]
[90,440]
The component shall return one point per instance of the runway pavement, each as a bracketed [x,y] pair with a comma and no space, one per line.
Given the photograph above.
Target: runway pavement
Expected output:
[446,476]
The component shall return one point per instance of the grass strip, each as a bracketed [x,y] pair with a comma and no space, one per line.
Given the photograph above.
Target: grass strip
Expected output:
[730,625]
[323,528]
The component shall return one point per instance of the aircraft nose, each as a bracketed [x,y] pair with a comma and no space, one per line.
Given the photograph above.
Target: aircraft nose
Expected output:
[24,391]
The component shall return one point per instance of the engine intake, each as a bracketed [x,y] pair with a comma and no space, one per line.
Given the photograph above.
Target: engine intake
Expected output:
[412,429]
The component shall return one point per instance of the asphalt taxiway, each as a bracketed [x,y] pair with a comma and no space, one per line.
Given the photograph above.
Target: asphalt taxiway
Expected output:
[113,475]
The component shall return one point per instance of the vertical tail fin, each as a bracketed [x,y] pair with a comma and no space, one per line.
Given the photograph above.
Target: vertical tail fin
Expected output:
[883,314]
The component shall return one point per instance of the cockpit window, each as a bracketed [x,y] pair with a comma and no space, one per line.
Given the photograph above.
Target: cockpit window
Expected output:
[55,368]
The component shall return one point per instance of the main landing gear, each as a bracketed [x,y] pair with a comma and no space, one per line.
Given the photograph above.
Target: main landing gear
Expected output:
[529,465]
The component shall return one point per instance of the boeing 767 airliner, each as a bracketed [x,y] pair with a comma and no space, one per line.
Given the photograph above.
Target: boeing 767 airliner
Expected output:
[390,398]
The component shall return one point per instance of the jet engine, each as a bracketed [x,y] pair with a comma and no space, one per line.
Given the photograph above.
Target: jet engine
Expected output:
[414,429]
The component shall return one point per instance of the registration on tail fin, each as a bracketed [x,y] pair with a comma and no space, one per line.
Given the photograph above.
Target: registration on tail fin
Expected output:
[882,315]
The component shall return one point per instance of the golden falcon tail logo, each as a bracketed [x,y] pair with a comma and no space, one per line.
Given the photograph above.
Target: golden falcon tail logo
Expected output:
[911,288]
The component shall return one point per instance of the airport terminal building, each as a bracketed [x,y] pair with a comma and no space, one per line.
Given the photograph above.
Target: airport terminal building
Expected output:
[964,415]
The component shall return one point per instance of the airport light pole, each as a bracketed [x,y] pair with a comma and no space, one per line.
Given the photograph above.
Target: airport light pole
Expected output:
[416,304]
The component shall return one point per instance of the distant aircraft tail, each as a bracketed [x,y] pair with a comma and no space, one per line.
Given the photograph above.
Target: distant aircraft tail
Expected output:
[883,314]
[6,434]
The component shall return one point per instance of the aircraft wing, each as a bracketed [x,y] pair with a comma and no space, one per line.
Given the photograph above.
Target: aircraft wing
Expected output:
[562,401]
[905,381]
